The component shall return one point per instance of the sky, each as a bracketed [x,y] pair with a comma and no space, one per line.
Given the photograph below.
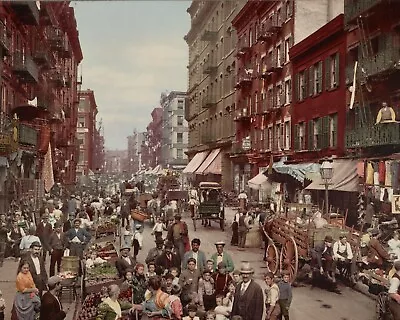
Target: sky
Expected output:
[132,51]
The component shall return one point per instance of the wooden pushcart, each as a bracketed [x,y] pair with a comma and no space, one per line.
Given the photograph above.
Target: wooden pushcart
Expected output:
[290,242]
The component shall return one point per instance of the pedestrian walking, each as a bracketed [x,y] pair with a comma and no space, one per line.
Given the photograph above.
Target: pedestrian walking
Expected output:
[57,246]
[243,229]
[178,235]
[285,295]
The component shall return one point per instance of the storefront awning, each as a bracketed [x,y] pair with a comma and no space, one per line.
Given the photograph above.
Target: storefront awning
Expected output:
[211,157]
[345,177]
[216,165]
[298,171]
[258,182]
[197,160]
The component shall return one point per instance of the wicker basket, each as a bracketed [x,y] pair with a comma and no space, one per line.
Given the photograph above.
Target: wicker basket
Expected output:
[139,216]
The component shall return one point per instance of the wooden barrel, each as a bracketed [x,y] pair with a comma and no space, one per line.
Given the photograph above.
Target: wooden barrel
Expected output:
[70,264]
[253,238]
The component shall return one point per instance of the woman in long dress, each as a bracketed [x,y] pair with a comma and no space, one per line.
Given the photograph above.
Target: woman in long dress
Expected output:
[27,301]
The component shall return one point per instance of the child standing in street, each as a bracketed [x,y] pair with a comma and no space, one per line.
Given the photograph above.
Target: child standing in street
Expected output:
[158,228]
[285,295]
[127,236]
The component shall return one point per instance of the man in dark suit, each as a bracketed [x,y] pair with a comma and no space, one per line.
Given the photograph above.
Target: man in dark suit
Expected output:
[197,254]
[77,239]
[249,297]
[124,262]
[322,258]
[37,266]
[50,307]
[44,231]
[57,246]
[167,259]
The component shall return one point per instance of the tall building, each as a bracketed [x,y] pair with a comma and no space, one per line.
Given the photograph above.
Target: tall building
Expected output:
[40,53]
[174,130]
[115,161]
[135,142]
[211,89]
[86,131]
[99,151]
[151,146]
[266,32]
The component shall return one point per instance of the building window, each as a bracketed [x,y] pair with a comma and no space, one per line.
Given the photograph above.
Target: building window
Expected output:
[317,83]
[302,134]
[302,85]
[179,137]
[179,153]
[288,91]
[270,138]
[333,130]
[180,121]
[250,37]
[277,137]
[288,44]
[287,135]
[332,71]
[81,122]
[279,61]
[180,104]
[288,9]
[81,138]
[278,92]
[82,156]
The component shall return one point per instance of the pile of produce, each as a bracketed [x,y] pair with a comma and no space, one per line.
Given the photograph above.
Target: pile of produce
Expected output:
[102,272]
[89,306]
[67,275]
[106,227]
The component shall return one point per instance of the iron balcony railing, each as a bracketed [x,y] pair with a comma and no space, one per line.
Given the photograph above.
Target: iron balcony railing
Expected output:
[373,135]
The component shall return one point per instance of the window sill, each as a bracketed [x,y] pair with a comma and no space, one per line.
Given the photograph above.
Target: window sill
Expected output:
[287,20]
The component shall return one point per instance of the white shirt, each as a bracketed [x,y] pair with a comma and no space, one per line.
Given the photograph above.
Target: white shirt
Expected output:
[158,227]
[242,196]
[36,263]
[220,258]
[244,286]
[127,259]
[339,248]
[194,256]
[139,237]
[394,285]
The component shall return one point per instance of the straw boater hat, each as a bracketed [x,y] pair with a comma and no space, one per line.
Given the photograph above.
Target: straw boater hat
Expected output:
[246,268]
[125,247]
[220,243]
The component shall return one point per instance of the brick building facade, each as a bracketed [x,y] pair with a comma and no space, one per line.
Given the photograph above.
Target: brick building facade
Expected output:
[41,52]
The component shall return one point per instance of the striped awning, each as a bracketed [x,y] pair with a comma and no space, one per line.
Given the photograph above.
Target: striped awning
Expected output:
[195,163]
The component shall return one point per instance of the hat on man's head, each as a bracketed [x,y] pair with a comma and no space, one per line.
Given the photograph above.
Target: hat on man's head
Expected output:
[138,226]
[246,268]
[328,239]
[169,245]
[77,219]
[52,281]
[178,216]
[58,224]
[220,243]
[374,232]
[36,244]
[159,241]
[125,247]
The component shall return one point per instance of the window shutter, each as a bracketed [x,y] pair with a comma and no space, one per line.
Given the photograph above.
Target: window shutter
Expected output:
[326,132]
[282,54]
[296,87]
[290,90]
[337,69]
[311,81]
[320,77]
[296,138]
[311,135]
[328,73]
[283,95]
[290,8]
[335,130]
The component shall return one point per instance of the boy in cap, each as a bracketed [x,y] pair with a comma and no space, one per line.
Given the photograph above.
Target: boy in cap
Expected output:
[322,257]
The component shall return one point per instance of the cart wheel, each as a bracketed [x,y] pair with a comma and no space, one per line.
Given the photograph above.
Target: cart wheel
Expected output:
[194,224]
[382,311]
[272,256]
[289,258]
[222,224]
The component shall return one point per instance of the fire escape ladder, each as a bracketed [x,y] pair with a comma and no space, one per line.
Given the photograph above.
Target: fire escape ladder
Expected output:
[365,42]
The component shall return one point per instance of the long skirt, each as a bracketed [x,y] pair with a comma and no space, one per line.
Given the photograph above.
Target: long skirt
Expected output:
[25,307]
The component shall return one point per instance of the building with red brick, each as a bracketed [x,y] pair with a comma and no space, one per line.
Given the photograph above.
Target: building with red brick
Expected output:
[318,114]
[151,147]
[86,131]
[40,46]
[266,32]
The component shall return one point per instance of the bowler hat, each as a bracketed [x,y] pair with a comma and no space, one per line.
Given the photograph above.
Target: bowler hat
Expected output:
[159,241]
[328,239]
[169,245]
[36,244]
[246,268]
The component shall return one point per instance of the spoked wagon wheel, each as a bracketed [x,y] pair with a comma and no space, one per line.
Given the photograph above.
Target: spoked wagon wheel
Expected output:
[382,311]
[272,257]
[289,259]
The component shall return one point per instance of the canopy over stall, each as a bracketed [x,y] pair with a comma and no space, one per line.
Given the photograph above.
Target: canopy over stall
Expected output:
[298,171]
[209,160]
[260,181]
[195,163]
[345,177]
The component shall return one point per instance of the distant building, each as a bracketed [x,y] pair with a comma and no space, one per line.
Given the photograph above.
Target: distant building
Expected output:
[85,131]
[151,146]
[115,161]
[174,130]
[135,142]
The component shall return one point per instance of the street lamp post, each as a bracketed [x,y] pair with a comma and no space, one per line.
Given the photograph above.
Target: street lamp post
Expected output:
[326,172]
